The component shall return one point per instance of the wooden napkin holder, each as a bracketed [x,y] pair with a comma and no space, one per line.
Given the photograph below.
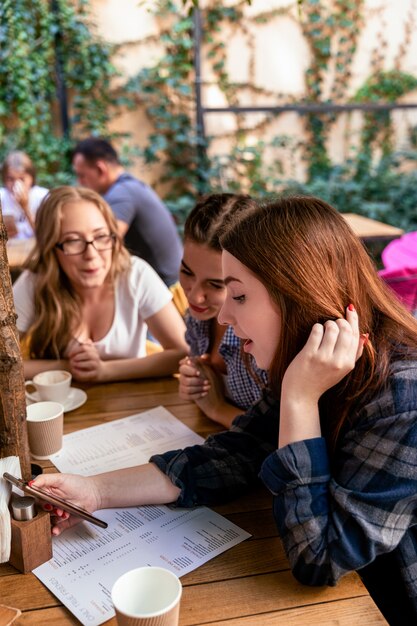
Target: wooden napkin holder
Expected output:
[31,542]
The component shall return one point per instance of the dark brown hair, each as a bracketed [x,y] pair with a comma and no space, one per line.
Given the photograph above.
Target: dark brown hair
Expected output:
[203,222]
[95,149]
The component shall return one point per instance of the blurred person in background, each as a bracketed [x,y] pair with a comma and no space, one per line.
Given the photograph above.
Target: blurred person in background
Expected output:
[143,221]
[21,196]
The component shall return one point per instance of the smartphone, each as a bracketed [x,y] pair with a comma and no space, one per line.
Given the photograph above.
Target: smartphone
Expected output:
[57,502]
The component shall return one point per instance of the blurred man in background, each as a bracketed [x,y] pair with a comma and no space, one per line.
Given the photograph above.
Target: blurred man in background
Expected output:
[143,220]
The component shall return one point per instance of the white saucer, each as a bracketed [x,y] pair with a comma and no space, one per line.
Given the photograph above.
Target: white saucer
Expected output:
[75,399]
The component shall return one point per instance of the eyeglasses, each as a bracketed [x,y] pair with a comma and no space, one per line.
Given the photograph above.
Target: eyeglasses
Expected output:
[79,246]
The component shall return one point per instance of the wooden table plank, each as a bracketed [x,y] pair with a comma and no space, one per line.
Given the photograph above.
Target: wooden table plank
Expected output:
[243,597]
[26,592]
[18,250]
[367,228]
[335,613]
[260,523]
[56,616]
[224,600]
[260,556]
[349,612]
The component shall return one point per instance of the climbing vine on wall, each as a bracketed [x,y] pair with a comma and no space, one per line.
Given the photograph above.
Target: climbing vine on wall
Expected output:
[45,40]
[332,31]
[45,45]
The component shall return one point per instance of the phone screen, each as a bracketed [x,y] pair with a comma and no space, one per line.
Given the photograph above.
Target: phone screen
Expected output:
[57,502]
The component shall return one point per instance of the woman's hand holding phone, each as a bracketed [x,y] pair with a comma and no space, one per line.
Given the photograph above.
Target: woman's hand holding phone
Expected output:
[75,492]
[78,490]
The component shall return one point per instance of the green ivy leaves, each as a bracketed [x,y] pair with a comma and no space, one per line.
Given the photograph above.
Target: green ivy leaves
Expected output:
[43,44]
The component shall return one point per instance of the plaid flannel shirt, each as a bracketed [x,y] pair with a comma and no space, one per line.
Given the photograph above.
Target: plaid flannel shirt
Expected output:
[242,389]
[358,513]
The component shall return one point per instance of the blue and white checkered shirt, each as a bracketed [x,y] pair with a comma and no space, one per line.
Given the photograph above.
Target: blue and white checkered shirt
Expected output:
[241,388]
[357,512]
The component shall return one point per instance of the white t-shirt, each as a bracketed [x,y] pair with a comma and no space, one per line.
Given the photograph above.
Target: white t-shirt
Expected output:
[139,294]
[10,206]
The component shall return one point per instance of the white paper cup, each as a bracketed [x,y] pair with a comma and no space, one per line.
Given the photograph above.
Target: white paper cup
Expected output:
[53,386]
[45,424]
[147,596]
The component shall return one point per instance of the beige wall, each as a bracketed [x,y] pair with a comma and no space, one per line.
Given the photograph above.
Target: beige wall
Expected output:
[282,56]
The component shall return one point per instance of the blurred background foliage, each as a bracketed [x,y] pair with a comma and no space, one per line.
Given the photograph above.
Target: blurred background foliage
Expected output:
[376,179]
[47,46]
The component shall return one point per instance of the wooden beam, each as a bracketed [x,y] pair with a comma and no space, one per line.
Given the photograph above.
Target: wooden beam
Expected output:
[13,431]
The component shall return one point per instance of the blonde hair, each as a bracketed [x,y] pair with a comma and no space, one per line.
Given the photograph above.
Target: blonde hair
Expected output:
[57,307]
[313,267]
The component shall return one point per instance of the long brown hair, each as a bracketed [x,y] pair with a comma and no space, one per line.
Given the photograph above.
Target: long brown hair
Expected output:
[313,267]
[57,305]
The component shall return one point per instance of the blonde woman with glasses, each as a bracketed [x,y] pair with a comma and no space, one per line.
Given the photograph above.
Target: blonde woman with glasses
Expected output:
[84,304]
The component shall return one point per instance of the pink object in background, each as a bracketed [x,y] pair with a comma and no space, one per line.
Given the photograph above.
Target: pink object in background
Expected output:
[404,283]
[401,253]
[400,272]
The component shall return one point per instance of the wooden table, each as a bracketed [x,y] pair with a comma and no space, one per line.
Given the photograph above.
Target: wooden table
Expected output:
[249,585]
[369,229]
[18,251]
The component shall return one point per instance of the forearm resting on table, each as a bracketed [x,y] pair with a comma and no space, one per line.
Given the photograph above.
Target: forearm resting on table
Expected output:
[223,413]
[31,367]
[133,486]
[159,364]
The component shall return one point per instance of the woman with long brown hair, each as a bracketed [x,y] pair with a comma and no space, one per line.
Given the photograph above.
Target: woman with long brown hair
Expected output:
[85,304]
[335,437]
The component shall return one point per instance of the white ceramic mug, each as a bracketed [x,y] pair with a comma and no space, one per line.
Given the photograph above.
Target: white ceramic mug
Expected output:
[53,386]
[147,596]
[45,424]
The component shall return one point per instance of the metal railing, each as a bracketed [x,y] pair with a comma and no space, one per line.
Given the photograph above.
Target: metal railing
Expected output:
[301,108]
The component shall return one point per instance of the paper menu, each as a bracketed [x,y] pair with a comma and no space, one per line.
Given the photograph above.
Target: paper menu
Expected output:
[123,443]
[87,560]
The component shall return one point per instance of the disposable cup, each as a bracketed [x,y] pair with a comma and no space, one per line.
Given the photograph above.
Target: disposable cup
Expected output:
[147,596]
[45,424]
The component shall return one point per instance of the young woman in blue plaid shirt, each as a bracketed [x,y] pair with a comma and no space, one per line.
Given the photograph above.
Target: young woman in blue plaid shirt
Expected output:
[216,376]
[335,437]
